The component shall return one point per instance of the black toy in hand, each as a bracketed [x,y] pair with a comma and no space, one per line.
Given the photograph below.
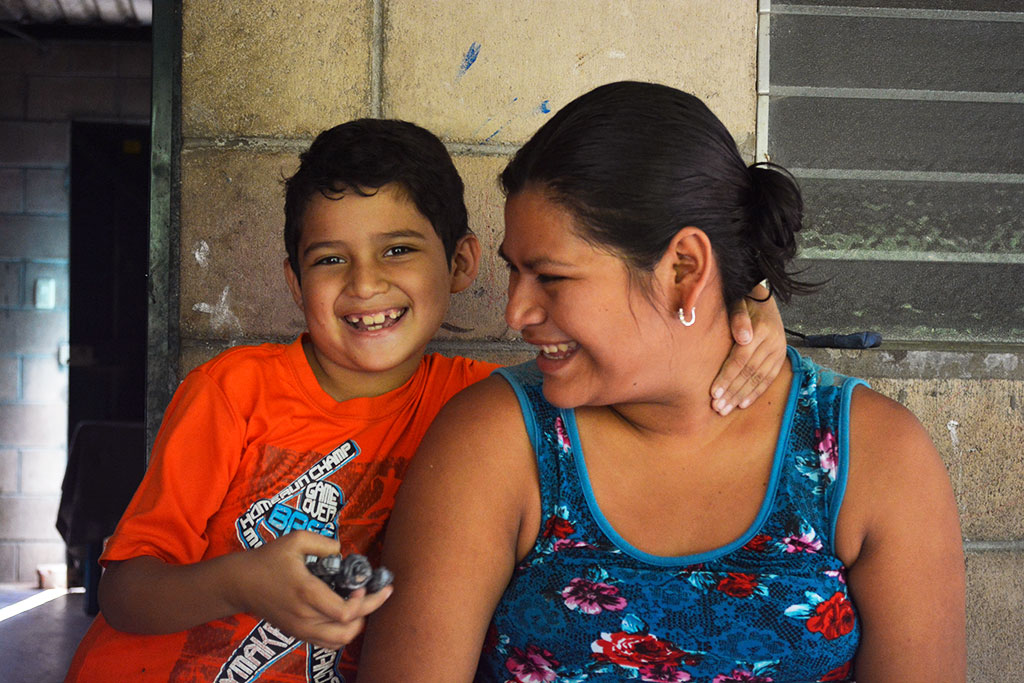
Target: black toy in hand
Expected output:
[348,574]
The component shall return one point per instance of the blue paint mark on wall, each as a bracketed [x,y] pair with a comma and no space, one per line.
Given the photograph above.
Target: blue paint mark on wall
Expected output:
[544,107]
[467,61]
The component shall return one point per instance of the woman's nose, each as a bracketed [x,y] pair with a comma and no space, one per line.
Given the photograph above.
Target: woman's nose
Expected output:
[522,309]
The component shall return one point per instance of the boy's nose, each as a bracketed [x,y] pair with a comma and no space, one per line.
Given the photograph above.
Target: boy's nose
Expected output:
[366,280]
[522,309]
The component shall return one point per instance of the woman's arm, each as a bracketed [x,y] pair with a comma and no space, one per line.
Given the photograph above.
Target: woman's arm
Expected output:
[900,524]
[468,508]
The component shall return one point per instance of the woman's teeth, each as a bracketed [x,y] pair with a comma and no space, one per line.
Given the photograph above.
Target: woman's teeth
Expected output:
[557,351]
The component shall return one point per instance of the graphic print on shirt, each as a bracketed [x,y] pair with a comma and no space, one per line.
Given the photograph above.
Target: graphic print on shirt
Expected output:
[309,502]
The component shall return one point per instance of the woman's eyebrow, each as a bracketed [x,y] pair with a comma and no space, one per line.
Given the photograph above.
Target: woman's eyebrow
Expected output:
[538,262]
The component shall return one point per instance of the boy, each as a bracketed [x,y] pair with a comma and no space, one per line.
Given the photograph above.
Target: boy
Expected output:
[298,449]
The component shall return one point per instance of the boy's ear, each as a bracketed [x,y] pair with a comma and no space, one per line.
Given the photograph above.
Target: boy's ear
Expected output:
[465,262]
[293,283]
[687,266]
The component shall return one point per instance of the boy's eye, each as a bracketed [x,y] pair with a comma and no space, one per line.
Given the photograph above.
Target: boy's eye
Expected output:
[549,278]
[398,251]
[328,261]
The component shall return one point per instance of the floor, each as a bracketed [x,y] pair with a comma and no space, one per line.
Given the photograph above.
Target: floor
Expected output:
[37,644]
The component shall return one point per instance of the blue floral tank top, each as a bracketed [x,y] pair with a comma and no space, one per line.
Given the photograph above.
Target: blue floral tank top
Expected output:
[773,605]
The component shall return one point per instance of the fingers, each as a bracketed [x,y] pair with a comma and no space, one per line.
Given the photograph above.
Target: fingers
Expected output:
[749,369]
[309,543]
[740,324]
[339,621]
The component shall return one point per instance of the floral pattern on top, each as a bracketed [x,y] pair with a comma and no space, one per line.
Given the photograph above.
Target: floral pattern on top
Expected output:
[583,606]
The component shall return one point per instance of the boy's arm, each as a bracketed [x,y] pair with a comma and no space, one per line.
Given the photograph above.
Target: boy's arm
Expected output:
[147,595]
[757,355]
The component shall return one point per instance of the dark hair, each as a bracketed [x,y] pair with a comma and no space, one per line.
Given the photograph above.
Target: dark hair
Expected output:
[362,156]
[635,162]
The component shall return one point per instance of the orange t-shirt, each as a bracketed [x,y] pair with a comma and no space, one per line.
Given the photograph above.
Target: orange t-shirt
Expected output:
[251,448]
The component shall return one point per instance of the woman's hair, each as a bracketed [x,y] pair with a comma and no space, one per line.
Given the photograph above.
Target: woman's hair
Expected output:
[636,162]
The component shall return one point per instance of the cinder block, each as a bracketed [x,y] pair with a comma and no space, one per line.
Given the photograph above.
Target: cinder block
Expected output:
[134,96]
[9,472]
[193,354]
[12,190]
[29,237]
[978,427]
[34,143]
[12,104]
[44,380]
[8,553]
[29,518]
[62,98]
[135,60]
[46,190]
[42,471]
[232,246]
[10,379]
[239,77]
[78,58]
[995,616]
[33,425]
[31,555]
[58,272]
[32,331]
[478,312]
[494,71]
[10,284]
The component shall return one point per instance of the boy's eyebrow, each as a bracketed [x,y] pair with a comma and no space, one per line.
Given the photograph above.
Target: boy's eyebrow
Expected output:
[383,237]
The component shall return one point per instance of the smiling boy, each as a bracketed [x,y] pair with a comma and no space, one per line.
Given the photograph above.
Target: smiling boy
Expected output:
[288,450]
[284,450]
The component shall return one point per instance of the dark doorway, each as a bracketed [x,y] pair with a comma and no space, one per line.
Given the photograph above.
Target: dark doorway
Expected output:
[108,262]
[109,253]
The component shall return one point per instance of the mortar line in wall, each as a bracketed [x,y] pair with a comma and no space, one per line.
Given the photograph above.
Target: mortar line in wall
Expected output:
[377,60]
[994,546]
[291,145]
[295,145]
[482,150]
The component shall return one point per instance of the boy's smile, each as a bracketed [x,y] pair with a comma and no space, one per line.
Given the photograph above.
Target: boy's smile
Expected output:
[374,289]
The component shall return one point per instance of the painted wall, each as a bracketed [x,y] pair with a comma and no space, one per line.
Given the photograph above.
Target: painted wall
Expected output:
[43,87]
[258,84]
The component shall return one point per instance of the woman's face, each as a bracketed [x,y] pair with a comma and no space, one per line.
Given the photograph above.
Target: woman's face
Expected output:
[601,340]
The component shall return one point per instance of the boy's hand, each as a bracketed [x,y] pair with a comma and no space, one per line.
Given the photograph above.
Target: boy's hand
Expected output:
[276,585]
[755,358]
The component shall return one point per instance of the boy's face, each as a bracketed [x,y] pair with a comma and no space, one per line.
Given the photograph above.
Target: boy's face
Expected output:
[375,287]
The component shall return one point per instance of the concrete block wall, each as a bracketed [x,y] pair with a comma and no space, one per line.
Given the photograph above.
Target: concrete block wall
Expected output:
[45,86]
[484,76]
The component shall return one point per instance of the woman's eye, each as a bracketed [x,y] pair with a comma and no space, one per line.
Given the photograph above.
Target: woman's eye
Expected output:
[543,279]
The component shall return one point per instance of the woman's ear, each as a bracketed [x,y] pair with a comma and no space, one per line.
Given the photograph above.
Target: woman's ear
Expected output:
[687,266]
[465,262]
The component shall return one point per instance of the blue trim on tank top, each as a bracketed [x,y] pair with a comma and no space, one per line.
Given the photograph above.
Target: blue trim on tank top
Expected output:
[843,464]
[782,444]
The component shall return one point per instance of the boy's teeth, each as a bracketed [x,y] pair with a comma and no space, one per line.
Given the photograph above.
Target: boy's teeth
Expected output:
[374,320]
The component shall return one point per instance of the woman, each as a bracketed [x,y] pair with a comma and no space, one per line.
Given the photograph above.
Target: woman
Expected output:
[588,516]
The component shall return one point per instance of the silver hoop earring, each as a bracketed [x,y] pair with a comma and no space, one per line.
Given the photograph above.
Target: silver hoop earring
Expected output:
[693,317]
